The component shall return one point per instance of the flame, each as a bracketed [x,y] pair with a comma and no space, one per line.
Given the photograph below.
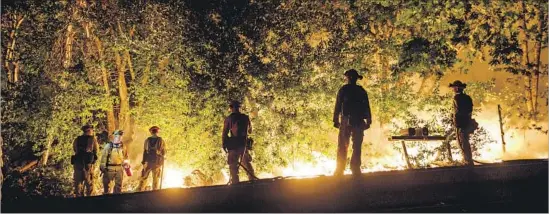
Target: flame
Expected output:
[173,176]
[226,176]
[519,144]
[323,166]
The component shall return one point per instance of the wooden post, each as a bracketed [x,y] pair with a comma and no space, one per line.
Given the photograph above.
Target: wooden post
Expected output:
[406,155]
[501,129]
[449,148]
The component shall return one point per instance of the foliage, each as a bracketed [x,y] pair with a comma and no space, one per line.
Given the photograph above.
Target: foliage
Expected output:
[511,35]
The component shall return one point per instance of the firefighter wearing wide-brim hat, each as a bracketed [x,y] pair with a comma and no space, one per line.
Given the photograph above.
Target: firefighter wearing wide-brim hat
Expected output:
[463,109]
[114,156]
[85,149]
[153,158]
[352,116]
[236,128]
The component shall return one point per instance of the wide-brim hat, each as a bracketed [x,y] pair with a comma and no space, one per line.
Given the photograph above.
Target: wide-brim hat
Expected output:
[234,104]
[86,127]
[154,128]
[353,73]
[458,84]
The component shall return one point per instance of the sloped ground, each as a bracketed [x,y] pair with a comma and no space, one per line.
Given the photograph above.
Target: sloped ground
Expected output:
[515,186]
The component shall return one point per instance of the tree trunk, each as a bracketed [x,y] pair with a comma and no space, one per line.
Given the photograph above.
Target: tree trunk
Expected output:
[146,72]
[162,64]
[10,64]
[129,62]
[127,57]
[526,60]
[524,30]
[46,153]
[68,46]
[131,128]
[111,123]
[124,114]
[539,38]
[528,92]
[421,85]
[15,71]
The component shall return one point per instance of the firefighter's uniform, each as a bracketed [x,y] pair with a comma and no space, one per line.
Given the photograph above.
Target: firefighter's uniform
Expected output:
[153,159]
[463,108]
[83,165]
[351,109]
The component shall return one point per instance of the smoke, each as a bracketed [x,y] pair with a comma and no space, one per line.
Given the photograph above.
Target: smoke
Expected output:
[135,154]
[380,152]
[520,143]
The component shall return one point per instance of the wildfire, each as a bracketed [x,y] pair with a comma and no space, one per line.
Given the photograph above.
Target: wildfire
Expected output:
[323,166]
[173,176]
[519,144]
[387,158]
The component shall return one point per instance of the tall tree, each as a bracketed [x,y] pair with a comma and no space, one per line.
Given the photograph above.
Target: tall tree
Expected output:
[511,36]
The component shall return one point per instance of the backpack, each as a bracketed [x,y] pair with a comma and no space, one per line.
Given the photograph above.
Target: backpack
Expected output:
[238,131]
[239,125]
[116,154]
[354,105]
[153,154]
[82,155]
[471,127]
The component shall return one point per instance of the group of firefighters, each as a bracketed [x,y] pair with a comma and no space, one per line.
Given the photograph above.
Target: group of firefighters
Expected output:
[114,161]
[352,116]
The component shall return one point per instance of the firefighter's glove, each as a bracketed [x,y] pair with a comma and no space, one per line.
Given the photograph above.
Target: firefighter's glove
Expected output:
[336,124]
[224,144]
[368,123]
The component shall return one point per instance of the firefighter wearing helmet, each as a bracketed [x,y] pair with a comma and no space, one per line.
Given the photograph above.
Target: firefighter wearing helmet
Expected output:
[113,160]
[153,159]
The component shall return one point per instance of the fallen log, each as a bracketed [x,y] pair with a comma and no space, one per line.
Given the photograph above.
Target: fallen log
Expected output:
[28,166]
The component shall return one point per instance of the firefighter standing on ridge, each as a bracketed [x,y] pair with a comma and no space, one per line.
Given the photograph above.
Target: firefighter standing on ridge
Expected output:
[463,108]
[114,156]
[153,159]
[238,125]
[352,116]
[85,149]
